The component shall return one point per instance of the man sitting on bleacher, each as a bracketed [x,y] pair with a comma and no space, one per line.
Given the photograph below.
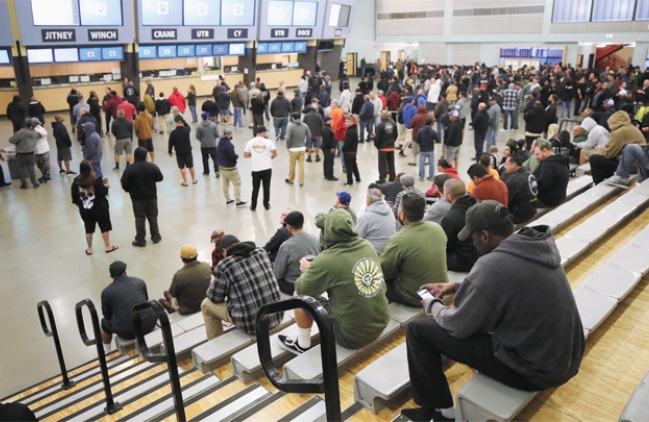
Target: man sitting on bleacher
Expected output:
[552,175]
[189,284]
[630,155]
[460,255]
[117,301]
[246,278]
[513,319]
[417,252]
[596,138]
[522,188]
[348,270]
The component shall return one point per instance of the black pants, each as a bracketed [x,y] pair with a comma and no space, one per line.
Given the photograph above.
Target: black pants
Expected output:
[26,163]
[328,163]
[351,167]
[261,177]
[478,143]
[286,287]
[207,153]
[602,168]
[529,140]
[386,157]
[109,117]
[394,296]
[257,120]
[456,263]
[17,126]
[577,106]
[427,342]
[146,210]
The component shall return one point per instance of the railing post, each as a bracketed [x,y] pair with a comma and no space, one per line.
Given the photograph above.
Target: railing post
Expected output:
[169,355]
[111,406]
[54,333]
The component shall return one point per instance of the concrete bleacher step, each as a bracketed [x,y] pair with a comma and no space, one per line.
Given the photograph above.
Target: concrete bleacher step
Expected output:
[483,399]
[632,258]
[570,249]
[578,185]
[235,407]
[153,339]
[78,378]
[309,364]
[164,406]
[637,408]
[612,281]
[312,410]
[192,321]
[76,396]
[583,169]
[593,307]
[218,351]
[126,396]
[383,380]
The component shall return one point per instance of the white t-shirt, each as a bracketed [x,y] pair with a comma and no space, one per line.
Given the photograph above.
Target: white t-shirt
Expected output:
[41,146]
[261,150]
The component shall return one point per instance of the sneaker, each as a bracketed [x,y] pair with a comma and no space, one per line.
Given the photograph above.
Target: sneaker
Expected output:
[412,164]
[267,207]
[333,179]
[61,171]
[138,244]
[218,175]
[618,181]
[71,172]
[116,169]
[288,181]
[317,158]
[308,159]
[290,344]
[24,187]
[229,202]
[252,208]
[36,186]
[161,133]
[156,240]
[424,414]
[241,204]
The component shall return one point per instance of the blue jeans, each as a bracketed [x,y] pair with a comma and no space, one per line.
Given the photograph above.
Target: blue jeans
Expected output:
[440,130]
[565,106]
[280,124]
[192,110]
[491,137]
[478,143]
[366,124]
[632,153]
[422,164]
[509,114]
[238,116]
[303,95]
[340,151]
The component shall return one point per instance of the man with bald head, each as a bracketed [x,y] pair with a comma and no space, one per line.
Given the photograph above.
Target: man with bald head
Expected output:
[460,255]
[480,125]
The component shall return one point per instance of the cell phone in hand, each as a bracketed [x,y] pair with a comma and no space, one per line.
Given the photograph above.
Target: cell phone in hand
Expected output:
[424,294]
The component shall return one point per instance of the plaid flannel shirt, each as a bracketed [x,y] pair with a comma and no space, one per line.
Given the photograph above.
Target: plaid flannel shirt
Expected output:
[510,99]
[248,283]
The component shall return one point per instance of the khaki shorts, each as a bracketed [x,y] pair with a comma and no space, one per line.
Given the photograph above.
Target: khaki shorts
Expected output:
[123,145]
[588,153]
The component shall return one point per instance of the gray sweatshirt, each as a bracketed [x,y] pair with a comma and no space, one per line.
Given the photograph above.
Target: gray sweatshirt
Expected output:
[494,114]
[520,295]
[438,211]
[297,135]
[377,225]
[24,140]
[287,263]
[207,134]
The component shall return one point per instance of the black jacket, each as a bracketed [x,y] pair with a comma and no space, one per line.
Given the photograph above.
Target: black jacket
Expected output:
[180,139]
[314,122]
[426,138]
[257,106]
[16,111]
[550,115]
[453,135]
[296,103]
[117,301]
[386,134]
[122,128]
[272,247]
[351,140]
[391,190]
[139,178]
[163,107]
[86,118]
[72,100]
[37,110]
[535,120]
[223,100]
[329,140]
[463,251]
[481,123]
[210,107]
[280,107]
[225,155]
[61,135]
[552,179]
[357,103]
[521,186]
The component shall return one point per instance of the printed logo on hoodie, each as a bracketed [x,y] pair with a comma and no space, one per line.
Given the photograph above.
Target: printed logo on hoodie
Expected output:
[368,277]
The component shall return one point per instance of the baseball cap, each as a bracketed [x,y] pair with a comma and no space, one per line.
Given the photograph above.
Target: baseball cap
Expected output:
[328,118]
[226,241]
[205,115]
[224,88]
[453,113]
[35,120]
[492,98]
[188,252]
[609,101]
[294,219]
[117,268]
[216,234]
[261,129]
[410,98]
[483,215]
[237,86]
[344,197]
[179,118]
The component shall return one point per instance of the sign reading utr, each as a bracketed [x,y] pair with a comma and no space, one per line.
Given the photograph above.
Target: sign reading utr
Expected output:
[163,34]
[49,35]
[202,34]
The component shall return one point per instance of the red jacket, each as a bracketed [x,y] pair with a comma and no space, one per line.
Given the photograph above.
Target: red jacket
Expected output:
[111,105]
[419,121]
[178,100]
[384,101]
[491,188]
[340,130]
[433,191]
[129,110]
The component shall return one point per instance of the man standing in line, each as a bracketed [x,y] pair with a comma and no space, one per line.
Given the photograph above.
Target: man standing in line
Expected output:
[480,125]
[143,127]
[25,142]
[162,109]
[494,120]
[280,109]
[385,137]
[227,162]
[238,105]
[180,140]
[262,151]
[139,181]
[207,134]
[329,146]
[296,139]
[122,130]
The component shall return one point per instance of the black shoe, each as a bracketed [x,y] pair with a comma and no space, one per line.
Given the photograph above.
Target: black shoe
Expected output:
[348,184]
[36,186]
[290,344]
[424,414]
[253,208]
[138,244]
[156,240]
[288,181]
[70,172]
[161,132]
[61,171]
[412,164]
[116,169]
[267,207]
[332,179]
[24,187]
[41,179]
[229,202]
[317,158]
[241,204]
[308,159]
[206,174]
[358,180]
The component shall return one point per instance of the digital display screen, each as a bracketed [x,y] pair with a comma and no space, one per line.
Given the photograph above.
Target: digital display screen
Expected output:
[112,53]
[100,12]
[43,55]
[66,55]
[162,12]
[339,15]
[220,49]
[186,51]
[280,13]
[300,47]
[147,52]
[304,13]
[288,47]
[55,13]
[4,57]
[262,48]
[203,50]
[166,51]
[89,54]
[237,12]
[237,49]
[202,12]
[274,47]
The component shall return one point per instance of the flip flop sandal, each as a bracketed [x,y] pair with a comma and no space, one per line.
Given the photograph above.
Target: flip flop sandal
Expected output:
[194,182]
[114,248]
[184,184]
[88,253]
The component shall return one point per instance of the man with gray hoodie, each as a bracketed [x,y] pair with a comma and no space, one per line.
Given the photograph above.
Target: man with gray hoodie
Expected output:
[296,138]
[207,134]
[513,319]
[25,143]
[280,109]
[92,147]
[377,224]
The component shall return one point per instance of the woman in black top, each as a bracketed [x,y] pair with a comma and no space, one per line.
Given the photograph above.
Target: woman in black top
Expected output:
[350,147]
[95,110]
[89,194]
[191,102]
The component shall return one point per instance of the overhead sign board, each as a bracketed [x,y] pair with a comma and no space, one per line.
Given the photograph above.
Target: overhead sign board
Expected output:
[291,19]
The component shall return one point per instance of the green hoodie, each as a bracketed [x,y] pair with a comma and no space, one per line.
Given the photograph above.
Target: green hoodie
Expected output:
[349,271]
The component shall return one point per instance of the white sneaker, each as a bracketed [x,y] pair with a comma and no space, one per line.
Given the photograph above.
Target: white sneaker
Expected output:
[618,181]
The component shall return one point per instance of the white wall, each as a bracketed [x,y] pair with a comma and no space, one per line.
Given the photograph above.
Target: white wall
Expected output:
[362,36]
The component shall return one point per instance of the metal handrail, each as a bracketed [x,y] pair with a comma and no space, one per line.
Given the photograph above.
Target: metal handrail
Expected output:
[169,355]
[111,406]
[51,331]
[329,384]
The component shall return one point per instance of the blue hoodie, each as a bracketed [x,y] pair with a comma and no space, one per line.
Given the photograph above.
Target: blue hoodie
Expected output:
[409,112]
[92,146]
[422,100]
[225,155]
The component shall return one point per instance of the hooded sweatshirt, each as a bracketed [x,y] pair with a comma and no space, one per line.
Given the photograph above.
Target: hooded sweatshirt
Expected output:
[280,107]
[24,140]
[418,121]
[139,178]
[92,145]
[41,146]
[16,111]
[455,220]
[377,225]
[296,136]
[552,180]
[61,135]
[207,134]
[350,273]
[533,319]
[622,134]
[415,256]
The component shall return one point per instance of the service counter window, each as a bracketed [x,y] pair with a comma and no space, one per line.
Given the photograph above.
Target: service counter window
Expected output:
[277,61]
[189,66]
